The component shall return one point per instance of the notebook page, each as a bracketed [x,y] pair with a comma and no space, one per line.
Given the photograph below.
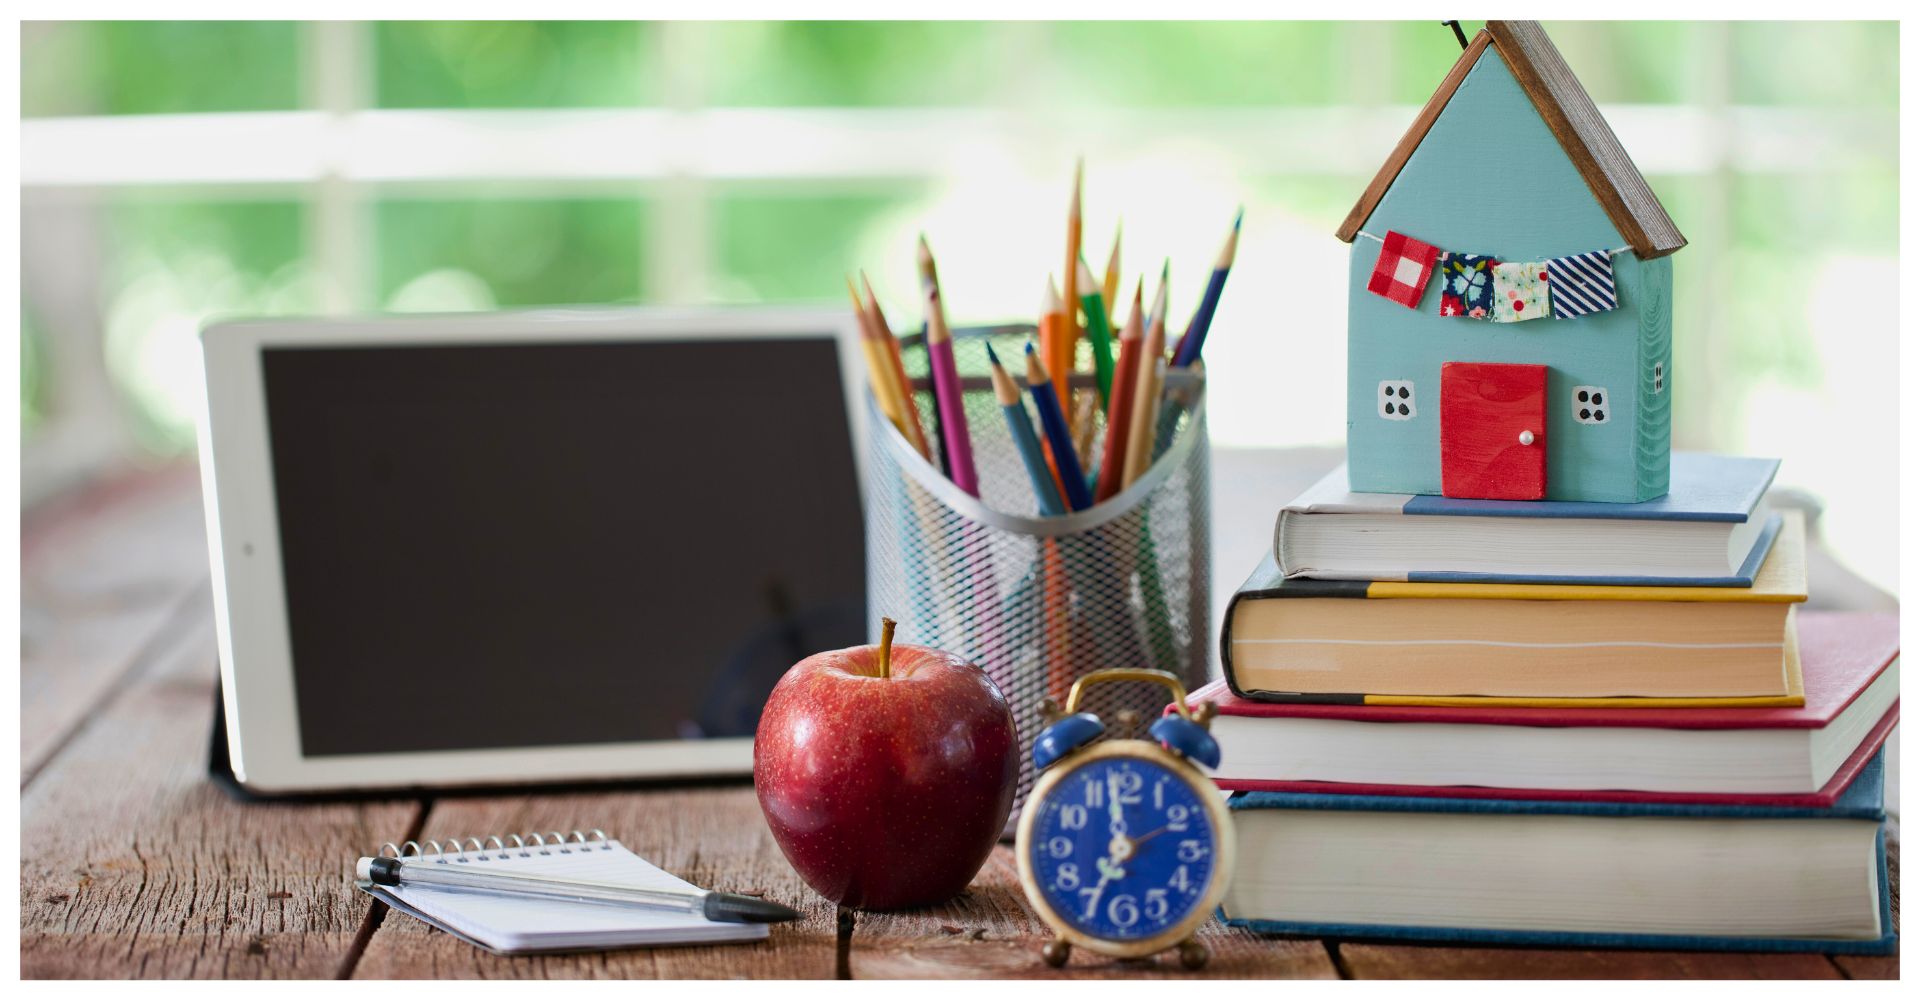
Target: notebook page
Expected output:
[517,922]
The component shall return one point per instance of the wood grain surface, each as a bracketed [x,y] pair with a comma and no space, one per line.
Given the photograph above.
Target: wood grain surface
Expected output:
[102,575]
[134,865]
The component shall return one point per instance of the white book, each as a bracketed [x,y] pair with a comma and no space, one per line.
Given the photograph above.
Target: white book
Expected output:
[511,924]
[1712,528]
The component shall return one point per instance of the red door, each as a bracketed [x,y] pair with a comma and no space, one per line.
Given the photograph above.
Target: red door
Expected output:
[1493,431]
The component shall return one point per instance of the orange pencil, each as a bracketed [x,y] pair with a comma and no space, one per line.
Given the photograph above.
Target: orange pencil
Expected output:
[1053,329]
[909,403]
[1113,456]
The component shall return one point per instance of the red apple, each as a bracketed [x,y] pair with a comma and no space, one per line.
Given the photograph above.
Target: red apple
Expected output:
[886,772]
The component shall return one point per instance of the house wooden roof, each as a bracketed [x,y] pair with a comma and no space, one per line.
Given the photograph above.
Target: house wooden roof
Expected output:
[1571,116]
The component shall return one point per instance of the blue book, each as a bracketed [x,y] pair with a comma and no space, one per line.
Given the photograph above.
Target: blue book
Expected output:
[1713,529]
[1567,874]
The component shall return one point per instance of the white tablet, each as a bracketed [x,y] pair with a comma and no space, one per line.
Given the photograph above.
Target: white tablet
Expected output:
[571,545]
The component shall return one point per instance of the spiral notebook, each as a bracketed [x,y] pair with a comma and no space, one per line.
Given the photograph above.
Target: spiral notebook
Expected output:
[508,924]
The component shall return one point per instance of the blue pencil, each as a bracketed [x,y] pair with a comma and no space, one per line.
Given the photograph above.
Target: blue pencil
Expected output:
[1054,421]
[1196,335]
[1023,437]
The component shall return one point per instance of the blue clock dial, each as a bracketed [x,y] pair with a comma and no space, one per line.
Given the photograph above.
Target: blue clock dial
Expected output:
[1123,849]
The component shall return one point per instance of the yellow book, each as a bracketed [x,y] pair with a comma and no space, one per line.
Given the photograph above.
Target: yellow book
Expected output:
[1527,644]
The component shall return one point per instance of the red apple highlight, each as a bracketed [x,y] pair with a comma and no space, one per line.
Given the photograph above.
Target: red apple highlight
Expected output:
[886,773]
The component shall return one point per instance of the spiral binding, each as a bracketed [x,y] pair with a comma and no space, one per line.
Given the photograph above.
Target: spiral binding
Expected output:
[463,850]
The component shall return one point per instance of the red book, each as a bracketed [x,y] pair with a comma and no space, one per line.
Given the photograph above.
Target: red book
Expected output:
[1802,756]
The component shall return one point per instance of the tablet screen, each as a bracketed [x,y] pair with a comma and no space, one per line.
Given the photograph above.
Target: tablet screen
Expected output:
[494,546]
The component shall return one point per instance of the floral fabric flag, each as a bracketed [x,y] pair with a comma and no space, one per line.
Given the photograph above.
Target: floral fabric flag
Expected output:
[1519,292]
[1403,269]
[1466,285]
[1582,284]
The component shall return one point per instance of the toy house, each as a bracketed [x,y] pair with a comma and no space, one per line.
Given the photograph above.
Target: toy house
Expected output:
[1509,199]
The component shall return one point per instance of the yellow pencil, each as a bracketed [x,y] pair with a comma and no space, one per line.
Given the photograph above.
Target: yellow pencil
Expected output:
[1110,285]
[1146,418]
[885,390]
[1146,391]
[910,405]
[1071,294]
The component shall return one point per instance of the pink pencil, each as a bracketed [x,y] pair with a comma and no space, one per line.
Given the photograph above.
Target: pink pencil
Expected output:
[946,379]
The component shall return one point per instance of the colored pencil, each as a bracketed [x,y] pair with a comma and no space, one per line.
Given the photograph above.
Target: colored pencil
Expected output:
[885,390]
[1099,333]
[1024,439]
[1069,278]
[1113,456]
[1140,428]
[1110,284]
[1146,412]
[1196,336]
[909,401]
[1054,421]
[1056,597]
[1084,428]
[1053,335]
[946,378]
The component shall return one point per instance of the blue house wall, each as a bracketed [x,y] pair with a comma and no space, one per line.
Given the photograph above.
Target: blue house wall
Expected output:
[1490,178]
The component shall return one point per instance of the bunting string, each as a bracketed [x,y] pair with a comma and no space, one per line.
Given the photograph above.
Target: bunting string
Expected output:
[1615,252]
[1479,286]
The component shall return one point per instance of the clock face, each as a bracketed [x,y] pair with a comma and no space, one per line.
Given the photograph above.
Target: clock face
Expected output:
[1123,849]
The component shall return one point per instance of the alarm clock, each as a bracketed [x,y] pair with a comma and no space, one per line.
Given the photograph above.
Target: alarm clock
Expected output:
[1125,847]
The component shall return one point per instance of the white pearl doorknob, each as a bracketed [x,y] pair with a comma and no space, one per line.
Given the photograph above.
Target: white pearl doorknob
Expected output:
[1526,437]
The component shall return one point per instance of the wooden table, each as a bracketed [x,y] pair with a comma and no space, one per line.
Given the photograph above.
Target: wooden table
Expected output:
[133,864]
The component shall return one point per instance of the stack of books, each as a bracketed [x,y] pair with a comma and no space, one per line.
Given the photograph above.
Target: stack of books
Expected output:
[1556,723]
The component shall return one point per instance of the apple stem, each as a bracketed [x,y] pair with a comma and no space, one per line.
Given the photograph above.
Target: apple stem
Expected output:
[886,648]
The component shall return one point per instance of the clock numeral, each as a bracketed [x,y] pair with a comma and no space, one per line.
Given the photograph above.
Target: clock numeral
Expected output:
[1060,847]
[1160,794]
[1123,911]
[1066,878]
[1156,904]
[1096,793]
[1091,897]
[1179,879]
[1177,818]
[1127,788]
[1073,817]
[1192,850]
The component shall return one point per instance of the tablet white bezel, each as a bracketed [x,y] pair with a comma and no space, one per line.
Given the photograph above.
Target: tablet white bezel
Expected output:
[243,538]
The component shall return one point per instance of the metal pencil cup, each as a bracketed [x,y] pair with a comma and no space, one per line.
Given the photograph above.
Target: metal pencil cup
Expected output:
[1034,601]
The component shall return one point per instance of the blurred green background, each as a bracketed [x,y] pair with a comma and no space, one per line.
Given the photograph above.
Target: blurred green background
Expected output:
[1774,147]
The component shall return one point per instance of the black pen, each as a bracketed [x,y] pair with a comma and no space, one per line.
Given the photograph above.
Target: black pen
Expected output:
[711,905]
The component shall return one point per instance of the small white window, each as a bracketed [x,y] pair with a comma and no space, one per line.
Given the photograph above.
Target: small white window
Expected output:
[1395,400]
[1659,376]
[1591,403]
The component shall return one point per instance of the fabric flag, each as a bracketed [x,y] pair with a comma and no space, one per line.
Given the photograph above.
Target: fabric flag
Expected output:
[1582,284]
[1404,267]
[1466,285]
[1519,292]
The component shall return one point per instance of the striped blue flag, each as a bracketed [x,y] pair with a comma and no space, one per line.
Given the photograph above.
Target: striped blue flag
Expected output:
[1581,284]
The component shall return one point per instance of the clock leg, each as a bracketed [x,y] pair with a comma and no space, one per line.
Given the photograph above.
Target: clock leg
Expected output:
[1193,954]
[1056,952]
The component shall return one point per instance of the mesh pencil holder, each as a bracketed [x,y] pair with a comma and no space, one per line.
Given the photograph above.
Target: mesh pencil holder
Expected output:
[1038,601]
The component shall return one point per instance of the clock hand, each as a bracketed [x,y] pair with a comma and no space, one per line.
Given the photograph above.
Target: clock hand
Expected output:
[1143,838]
[1107,874]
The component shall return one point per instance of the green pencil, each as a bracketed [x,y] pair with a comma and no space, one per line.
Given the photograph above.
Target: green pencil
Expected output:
[1099,331]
